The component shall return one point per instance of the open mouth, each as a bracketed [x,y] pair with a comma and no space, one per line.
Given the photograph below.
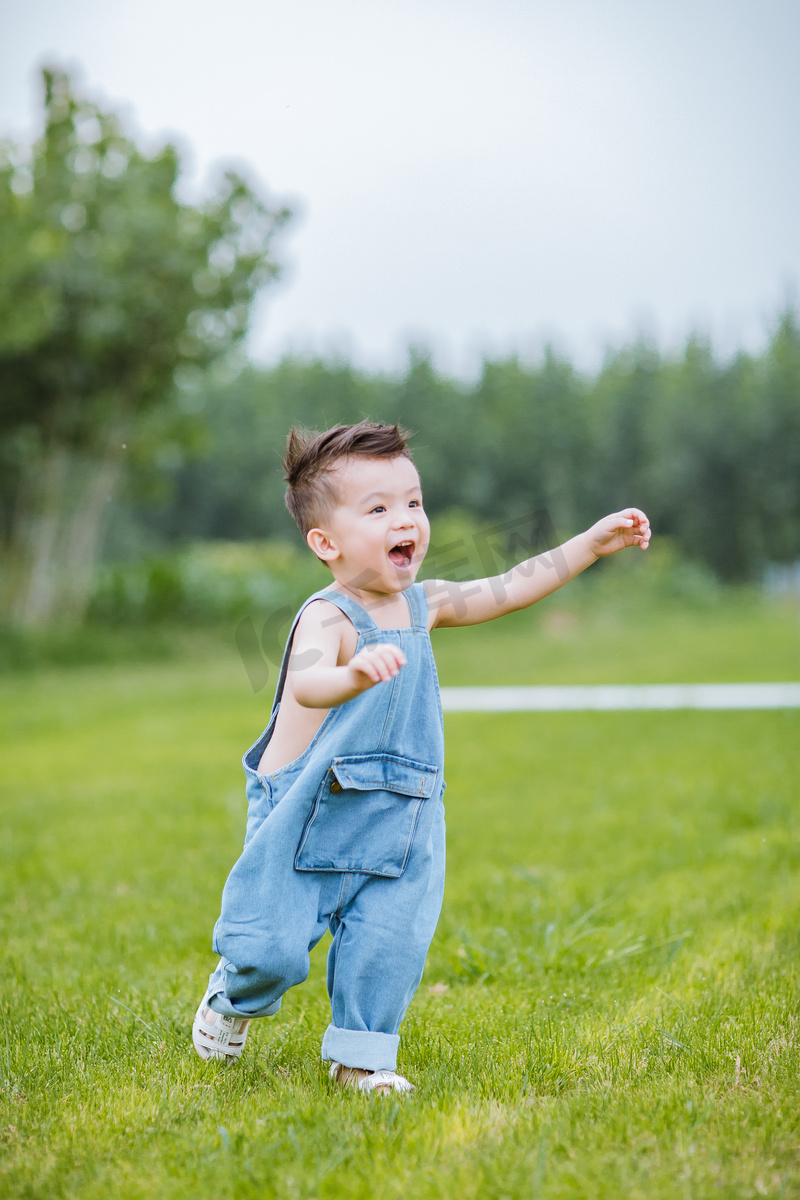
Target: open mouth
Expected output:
[402,554]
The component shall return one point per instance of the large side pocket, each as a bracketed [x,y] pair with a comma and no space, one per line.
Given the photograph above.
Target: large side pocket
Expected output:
[365,815]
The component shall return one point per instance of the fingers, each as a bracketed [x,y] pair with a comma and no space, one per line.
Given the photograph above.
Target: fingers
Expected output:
[629,527]
[632,516]
[641,528]
[380,662]
[637,515]
[637,521]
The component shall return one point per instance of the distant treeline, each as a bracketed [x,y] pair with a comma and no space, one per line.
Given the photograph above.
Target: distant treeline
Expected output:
[710,449]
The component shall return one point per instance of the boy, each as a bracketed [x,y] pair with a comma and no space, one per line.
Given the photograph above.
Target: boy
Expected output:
[345,823]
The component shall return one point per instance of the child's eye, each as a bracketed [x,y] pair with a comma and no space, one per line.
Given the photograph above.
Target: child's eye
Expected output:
[378,508]
[415,504]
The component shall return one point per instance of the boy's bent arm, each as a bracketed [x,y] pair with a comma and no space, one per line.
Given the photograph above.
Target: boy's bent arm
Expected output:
[319,679]
[531,580]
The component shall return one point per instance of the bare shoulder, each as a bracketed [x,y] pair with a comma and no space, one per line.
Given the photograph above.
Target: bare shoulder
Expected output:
[319,614]
[325,627]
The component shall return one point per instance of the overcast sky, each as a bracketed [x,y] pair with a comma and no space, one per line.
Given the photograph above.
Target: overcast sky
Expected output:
[478,174]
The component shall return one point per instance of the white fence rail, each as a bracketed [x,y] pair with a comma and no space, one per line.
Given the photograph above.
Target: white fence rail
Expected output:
[617,698]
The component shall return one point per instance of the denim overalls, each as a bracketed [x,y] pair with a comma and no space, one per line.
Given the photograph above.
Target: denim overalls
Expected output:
[347,837]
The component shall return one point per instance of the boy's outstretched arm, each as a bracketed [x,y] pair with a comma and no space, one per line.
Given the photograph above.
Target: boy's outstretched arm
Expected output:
[531,580]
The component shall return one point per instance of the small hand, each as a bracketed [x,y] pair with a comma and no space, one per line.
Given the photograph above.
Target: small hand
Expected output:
[376,664]
[630,527]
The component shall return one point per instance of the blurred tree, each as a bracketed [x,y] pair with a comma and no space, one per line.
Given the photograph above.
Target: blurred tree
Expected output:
[532,439]
[111,291]
[775,459]
[622,401]
[440,414]
[700,460]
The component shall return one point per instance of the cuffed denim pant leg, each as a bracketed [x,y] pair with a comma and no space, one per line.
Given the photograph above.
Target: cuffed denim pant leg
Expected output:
[381,930]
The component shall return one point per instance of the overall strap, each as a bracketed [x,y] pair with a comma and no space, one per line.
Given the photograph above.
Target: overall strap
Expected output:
[357,615]
[417,598]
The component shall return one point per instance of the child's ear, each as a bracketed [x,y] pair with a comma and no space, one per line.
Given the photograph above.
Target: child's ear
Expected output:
[322,544]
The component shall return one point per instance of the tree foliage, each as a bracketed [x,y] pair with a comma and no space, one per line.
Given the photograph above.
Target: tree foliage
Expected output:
[110,289]
[710,449]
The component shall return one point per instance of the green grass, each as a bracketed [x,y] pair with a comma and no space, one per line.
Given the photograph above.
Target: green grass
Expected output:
[610,1004]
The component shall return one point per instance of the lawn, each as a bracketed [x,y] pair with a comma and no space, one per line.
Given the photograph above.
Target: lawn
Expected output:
[610,1004]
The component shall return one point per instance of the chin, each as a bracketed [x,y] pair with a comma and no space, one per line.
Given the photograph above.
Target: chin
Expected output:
[399,582]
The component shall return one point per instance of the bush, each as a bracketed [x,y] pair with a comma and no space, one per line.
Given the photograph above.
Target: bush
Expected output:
[209,583]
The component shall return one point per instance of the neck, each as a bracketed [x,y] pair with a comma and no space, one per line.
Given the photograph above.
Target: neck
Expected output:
[367,597]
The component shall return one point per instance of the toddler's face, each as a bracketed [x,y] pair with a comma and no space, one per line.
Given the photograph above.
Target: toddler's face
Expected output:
[379,528]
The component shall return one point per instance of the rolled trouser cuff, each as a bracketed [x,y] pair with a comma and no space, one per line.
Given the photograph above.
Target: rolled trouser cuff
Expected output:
[361,1048]
[218,1002]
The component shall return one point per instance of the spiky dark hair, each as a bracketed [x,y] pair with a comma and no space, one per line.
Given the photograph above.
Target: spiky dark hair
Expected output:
[311,456]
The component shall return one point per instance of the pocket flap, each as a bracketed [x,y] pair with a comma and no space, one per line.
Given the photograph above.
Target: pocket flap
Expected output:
[388,772]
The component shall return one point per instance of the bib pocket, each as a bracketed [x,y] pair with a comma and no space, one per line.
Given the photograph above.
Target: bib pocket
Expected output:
[365,814]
